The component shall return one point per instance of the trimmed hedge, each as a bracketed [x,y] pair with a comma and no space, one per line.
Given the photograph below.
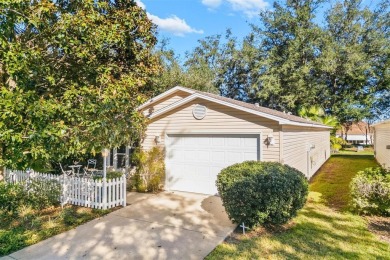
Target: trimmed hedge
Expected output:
[258,193]
[370,191]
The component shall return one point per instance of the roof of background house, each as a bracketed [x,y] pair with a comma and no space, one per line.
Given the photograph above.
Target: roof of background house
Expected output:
[358,128]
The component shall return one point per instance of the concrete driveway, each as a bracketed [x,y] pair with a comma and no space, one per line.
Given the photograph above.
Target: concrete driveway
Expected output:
[169,225]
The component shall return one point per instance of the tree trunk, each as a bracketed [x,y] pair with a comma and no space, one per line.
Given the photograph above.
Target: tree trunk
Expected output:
[1,166]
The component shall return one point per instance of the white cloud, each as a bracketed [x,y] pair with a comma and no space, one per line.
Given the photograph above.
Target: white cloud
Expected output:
[173,24]
[140,4]
[250,8]
[212,3]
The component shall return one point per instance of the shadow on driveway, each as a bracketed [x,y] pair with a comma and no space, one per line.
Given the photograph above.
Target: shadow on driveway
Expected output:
[168,225]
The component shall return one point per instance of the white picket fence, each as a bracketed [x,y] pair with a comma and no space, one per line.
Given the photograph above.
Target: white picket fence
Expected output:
[80,191]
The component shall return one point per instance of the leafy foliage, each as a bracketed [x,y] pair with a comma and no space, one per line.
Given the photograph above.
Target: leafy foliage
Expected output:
[370,191]
[11,196]
[37,194]
[289,60]
[150,169]
[71,75]
[261,192]
[110,175]
[29,226]
[336,143]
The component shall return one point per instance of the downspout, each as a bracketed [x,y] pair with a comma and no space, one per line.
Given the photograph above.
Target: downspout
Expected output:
[311,147]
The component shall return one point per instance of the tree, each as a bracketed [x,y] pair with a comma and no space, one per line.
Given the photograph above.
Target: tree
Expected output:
[226,62]
[355,59]
[289,42]
[196,76]
[317,113]
[71,76]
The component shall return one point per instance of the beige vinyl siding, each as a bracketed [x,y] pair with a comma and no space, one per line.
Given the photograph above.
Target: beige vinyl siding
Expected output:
[219,119]
[296,143]
[166,101]
[382,140]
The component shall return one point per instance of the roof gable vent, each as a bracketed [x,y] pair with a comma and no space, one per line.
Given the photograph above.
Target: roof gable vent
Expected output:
[199,111]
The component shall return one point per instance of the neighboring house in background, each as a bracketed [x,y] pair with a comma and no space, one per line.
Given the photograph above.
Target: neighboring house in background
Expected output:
[358,133]
[382,143]
[203,133]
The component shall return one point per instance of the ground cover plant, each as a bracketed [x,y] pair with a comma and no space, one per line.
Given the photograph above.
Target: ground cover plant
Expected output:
[30,212]
[323,229]
[26,226]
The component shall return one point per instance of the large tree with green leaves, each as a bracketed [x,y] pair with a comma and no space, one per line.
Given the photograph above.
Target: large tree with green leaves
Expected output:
[354,60]
[71,76]
[289,42]
[195,75]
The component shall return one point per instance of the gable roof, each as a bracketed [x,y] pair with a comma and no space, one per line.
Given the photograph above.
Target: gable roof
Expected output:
[282,118]
[358,128]
[381,123]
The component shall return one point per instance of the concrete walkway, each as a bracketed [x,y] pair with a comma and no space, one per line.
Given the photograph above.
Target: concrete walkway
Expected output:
[164,226]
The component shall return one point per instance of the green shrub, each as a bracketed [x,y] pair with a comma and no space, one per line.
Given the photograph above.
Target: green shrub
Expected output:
[370,191]
[150,170]
[43,193]
[109,176]
[11,196]
[261,192]
[337,143]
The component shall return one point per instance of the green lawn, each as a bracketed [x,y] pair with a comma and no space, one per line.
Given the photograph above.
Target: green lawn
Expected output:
[320,231]
[332,180]
[353,151]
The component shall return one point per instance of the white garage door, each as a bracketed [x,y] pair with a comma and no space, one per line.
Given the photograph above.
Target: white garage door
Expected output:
[194,161]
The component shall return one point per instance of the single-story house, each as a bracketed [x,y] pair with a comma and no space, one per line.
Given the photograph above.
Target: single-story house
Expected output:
[358,133]
[382,143]
[203,133]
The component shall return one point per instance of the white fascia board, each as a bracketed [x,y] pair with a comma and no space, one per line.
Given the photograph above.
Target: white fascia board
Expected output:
[306,124]
[280,120]
[164,94]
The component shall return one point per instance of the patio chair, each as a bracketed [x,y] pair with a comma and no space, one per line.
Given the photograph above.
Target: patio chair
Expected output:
[67,172]
[90,168]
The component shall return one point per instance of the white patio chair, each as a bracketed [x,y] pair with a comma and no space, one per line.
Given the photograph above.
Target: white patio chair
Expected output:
[90,168]
[67,172]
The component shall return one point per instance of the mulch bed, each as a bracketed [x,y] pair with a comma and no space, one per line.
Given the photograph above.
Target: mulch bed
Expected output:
[380,226]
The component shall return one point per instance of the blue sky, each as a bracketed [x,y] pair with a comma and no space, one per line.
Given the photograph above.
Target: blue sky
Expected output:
[184,22]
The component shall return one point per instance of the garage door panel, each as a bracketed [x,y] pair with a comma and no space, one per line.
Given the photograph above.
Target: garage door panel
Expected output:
[218,156]
[218,141]
[203,156]
[248,142]
[233,142]
[194,161]
[233,157]
[248,156]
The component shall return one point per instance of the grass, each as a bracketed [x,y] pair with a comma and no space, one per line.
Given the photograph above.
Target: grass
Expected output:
[321,230]
[353,151]
[28,226]
[332,180]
